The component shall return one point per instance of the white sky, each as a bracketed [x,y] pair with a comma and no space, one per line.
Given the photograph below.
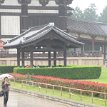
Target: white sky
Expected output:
[100,4]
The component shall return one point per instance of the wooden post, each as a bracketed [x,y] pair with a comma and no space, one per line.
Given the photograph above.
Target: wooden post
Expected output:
[18,57]
[31,58]
[93,44]
[54,58]
[92,96]
[53,89]
[61,90]
[105,99]
[23,58]
[81,95]
[104,48]
[0,23]
[82,50]
[46,87]
[49,58]
[65,56]
[69,92]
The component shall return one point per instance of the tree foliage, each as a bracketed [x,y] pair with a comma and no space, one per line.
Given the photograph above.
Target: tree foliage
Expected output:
[78,14]
[89,14]
[103,16]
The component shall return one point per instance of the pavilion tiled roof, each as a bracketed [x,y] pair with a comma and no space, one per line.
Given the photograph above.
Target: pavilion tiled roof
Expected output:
[90,28]
[35,33]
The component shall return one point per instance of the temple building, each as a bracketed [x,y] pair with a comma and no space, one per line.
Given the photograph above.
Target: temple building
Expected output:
[17,16]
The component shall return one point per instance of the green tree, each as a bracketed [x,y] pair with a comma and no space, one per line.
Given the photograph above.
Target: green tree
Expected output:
[103,16]
[77,14]
[90,13]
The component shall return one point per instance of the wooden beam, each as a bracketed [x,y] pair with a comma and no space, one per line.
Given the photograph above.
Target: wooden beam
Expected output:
[29,14]
[33,7]
[7,36]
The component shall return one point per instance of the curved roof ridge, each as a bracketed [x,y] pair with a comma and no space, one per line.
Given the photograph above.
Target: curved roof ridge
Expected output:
[66,35]
[35,33]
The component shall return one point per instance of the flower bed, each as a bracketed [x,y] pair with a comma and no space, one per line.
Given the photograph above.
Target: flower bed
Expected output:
[80,84]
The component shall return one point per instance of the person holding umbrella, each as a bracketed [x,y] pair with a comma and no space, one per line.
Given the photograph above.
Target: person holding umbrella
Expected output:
[5,89]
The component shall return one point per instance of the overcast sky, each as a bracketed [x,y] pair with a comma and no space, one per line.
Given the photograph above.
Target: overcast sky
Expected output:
[100,4]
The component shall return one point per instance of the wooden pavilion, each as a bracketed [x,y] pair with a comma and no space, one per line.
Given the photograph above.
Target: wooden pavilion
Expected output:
[46,38]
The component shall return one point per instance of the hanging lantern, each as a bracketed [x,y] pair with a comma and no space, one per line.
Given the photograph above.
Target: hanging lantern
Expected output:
[24,1]
[2,1]
[43,2]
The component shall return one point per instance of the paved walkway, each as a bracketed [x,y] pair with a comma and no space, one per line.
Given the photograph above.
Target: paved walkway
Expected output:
[21,100]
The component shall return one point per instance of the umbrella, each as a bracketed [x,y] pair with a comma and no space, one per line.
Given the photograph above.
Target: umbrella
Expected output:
[2,76]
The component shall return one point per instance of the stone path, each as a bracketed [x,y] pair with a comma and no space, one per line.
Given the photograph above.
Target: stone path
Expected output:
[21,100]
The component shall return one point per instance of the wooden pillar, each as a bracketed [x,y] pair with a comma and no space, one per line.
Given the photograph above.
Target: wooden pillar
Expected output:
[82,50]
[23,59]
[54,58]
[65,57]
[104,53]
[18,56]
[49,58]
[0,24]
[93,44]
[31,58]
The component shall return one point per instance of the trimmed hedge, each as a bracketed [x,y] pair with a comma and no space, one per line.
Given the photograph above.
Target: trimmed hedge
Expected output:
[6,69]
[63,72]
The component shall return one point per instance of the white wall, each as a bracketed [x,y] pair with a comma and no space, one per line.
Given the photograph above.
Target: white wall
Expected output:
[10,25]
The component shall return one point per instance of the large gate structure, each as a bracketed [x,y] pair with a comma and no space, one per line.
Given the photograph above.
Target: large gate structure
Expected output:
[16,16]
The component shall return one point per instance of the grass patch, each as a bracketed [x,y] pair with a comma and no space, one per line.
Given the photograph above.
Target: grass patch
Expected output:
[59,94]
[102,78]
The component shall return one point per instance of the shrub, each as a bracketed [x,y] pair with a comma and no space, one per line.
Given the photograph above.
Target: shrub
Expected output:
[6,69]
[63,72]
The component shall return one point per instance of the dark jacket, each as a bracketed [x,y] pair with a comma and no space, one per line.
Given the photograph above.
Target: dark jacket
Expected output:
[5,87]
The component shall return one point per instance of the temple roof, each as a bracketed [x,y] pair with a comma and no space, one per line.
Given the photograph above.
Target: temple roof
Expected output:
[89,28]
[36,33]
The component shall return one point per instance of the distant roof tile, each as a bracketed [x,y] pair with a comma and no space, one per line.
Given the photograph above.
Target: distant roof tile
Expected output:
[90,28]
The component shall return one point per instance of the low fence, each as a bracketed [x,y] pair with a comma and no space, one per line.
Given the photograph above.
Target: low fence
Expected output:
[70,93]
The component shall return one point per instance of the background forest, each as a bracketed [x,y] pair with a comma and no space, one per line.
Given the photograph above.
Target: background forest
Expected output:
[89,14]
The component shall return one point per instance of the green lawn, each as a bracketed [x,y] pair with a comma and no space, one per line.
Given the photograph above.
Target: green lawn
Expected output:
[59,94]
[103,77]
[67,95]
